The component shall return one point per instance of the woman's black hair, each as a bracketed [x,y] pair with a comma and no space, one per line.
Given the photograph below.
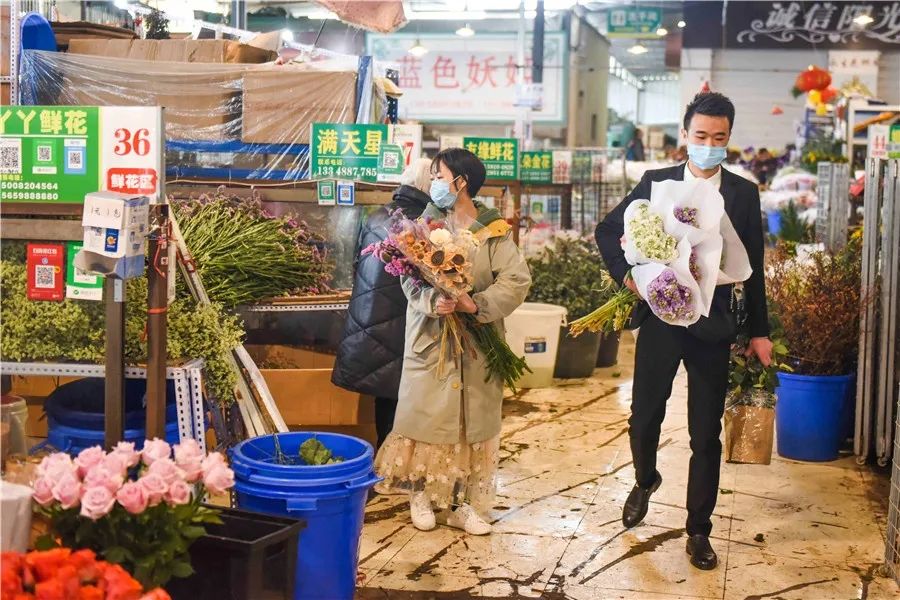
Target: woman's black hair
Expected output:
[462,163]
[711,104]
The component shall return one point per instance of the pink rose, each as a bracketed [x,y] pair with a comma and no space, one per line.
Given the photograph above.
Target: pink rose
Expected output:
[116,463]
[43,491]
[101,476]
[179,493]
[126,451]
[88,458]
[56,465]
[214,461]
[155,450]
[97,502]
[67,490]
[132,497]
[155,488]
[167,469]
[219,480]
[189,458]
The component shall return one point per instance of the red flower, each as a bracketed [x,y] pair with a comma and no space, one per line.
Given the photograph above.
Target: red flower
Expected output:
[157,594]
[52,589]
[120,585]
[90,592]
[46,564]
[85,562]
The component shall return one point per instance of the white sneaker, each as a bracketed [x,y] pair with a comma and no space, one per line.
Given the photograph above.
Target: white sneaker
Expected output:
[466,518]
[422,514]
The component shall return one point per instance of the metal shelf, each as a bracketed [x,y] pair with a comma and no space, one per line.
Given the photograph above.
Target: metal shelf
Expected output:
[266,308]
[188,380]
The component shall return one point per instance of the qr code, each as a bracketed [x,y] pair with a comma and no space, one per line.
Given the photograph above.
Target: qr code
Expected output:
[391,160]
[44,154]
[11,156]
[75,159]
[45,276]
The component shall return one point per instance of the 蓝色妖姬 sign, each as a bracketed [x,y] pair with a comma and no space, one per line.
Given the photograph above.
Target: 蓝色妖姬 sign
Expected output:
[536,167]
[346,151]
[472,80]
[61,153]
[793,24]
[499,155]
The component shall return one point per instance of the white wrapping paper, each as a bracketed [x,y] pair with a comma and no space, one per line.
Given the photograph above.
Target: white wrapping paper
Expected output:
[632,254]
[16,522]
[666,196]
[735,262]
[645,274]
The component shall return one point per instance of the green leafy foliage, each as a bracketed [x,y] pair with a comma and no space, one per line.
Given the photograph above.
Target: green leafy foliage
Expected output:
[314,452]
[793,228]
[570,273]
[157,25]
[749,382]
[74,329]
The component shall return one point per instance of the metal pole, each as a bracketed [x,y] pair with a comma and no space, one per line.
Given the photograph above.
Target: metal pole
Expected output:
[114,393]
[157,304]
[537,46]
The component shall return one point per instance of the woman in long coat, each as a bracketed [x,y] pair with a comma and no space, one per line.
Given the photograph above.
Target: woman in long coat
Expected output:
[444,447]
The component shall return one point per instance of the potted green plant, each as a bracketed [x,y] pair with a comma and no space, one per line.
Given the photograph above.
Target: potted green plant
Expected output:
[817,299]
[570,273]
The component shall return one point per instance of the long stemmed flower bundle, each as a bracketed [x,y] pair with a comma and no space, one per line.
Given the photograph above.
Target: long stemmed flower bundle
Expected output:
[681,245]
[429,252]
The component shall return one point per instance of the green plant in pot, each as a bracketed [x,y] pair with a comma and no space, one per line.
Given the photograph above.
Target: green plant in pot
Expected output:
[570,273]
[817,298]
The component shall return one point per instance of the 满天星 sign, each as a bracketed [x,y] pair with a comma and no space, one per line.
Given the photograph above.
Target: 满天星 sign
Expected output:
[346,151]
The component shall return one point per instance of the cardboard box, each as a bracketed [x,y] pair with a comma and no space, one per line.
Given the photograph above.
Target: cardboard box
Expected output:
[288,357]
[282,102]
[307,397]
[190,51]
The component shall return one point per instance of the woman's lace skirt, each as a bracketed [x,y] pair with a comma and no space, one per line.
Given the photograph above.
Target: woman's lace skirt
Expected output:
[449,474]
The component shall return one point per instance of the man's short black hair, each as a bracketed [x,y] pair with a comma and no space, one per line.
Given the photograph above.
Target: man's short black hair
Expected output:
[462,163]
[711,104]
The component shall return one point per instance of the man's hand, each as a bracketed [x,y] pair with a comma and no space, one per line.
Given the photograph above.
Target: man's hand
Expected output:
[762,348]
[465,304]
[445,306]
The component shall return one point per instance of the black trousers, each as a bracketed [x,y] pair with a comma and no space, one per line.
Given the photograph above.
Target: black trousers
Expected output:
[660,349]
[385,409]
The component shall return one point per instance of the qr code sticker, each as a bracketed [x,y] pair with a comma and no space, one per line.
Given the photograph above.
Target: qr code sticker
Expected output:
[391,160]
[45,276]
[45,153]
[11,156]
[75,159]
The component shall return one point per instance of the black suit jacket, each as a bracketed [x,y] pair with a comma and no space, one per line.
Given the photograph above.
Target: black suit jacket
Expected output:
[742,206]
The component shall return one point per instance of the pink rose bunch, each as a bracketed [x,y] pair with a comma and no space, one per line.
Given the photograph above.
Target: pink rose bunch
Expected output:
[135,480]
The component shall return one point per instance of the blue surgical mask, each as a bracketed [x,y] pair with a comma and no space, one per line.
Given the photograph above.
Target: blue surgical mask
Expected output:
[441,194]
[706,157]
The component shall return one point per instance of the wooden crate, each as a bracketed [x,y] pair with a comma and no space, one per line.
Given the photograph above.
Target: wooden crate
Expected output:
[307,397]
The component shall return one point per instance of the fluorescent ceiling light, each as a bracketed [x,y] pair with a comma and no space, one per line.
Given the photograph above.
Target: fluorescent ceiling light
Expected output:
[465,32]
[321,15]
[418,50]
[662,31]
[638,48]
[448,15]
[122,4]
[864,20]
[681,24]
[287,35]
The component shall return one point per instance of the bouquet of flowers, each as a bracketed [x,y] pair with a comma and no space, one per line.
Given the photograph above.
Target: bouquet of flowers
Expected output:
[432,253]
[141,509]
[681,244]
[62,574]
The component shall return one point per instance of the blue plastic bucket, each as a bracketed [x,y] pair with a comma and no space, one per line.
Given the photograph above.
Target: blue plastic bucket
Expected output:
[330,498]
[810,415]
[73,440]
[774,219]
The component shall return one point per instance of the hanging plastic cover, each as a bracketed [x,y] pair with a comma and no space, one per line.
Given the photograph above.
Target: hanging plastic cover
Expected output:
[240,121]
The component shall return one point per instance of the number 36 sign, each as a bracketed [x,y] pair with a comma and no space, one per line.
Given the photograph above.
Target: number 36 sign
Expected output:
[57,154]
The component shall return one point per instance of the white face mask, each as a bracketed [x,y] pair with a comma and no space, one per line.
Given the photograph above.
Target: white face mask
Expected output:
[441,195]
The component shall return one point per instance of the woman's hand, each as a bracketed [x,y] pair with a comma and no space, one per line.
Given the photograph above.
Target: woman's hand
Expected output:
[465,304]
[445,306]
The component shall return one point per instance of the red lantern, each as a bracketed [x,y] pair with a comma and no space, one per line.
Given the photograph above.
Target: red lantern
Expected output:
[776,110]
[705,88]
[812,78]
[829,94]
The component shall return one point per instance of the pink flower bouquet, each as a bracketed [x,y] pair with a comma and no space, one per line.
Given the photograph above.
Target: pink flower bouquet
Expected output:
[141,509]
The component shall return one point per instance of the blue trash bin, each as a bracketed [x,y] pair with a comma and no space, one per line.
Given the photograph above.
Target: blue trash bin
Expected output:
[330,498]
[810,415]
[774,219]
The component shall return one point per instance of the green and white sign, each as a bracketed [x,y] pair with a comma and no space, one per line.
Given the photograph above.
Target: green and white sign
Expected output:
[633,21]
[80,285]
[346,151]
[537,167]
[58,154]
[327,192]
[894,141]
[499,155]
[391,162]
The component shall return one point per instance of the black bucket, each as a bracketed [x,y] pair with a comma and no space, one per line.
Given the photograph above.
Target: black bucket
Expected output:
[577,356]
[608,355]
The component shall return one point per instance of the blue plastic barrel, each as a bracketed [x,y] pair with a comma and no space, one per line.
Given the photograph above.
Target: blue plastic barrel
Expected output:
[774,219]
[810,415]
[330,498]
[73,440]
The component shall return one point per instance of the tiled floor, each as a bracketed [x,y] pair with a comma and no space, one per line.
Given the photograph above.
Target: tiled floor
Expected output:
[785,531]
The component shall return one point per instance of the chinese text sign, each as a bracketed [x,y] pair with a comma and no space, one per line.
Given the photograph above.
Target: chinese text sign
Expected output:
[499,155]
[346,151]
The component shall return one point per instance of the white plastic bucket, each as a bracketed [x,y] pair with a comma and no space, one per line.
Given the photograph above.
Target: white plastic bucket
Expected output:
[533,331]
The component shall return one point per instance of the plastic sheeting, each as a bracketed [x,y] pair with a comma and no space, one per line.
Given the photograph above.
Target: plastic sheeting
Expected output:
[236,121]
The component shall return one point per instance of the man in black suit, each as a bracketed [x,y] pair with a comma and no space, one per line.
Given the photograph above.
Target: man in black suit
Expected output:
[704,347]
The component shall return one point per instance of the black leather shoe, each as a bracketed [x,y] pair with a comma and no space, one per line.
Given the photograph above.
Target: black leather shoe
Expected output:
[638,503]
[702,555]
